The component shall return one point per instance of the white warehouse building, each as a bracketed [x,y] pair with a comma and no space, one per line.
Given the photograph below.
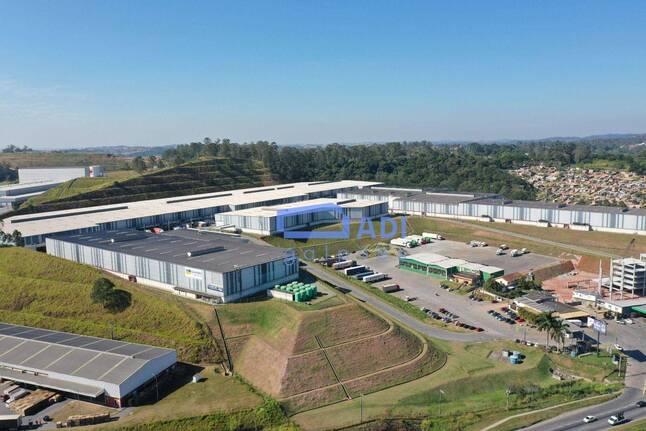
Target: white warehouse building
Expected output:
[197,264]
[35,228]
[97,369]
[276,219]
[494,208]
[59,175]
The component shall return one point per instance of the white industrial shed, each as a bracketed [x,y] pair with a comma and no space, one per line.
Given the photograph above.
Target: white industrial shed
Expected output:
[60,174]
[168,211]
[275,219]
[96,368]
[493,207]
[201,265]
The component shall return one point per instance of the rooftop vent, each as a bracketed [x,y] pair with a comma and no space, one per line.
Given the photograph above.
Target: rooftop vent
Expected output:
[195,253]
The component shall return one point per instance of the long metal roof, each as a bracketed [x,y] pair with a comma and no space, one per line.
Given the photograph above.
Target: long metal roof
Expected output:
[72,219]
[92,358]
[209,251]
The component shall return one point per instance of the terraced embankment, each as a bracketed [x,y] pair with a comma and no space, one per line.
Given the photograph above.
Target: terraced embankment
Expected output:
[314,358]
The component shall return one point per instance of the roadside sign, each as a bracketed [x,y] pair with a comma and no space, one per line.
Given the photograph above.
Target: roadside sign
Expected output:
[598,325]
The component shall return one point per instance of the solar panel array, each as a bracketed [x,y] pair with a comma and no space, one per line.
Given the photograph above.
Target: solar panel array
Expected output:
[92,358]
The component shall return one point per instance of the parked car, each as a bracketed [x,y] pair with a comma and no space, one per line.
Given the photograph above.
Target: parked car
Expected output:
[618,347]
[640,403]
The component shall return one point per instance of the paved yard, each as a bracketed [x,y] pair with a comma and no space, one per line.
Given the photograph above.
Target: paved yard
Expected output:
[485,256]
[430,295]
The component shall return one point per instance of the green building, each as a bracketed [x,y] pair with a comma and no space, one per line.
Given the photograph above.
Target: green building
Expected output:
[445,268]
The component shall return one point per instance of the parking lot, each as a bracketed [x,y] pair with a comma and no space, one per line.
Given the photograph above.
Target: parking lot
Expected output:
[429,294]
[485,256]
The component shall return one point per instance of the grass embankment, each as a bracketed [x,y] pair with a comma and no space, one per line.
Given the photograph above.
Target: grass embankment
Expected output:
[57,159]
[300,357]
[78,186]
[47,292]
[639,425]
[202,176]
[267,416]
[614,243]
[216,393]
[468,393]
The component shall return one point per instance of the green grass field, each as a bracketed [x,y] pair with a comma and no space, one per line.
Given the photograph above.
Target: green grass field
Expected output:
[473,384]
[215,393]
[200,176]
[47,292]
[78,186]
[633,426]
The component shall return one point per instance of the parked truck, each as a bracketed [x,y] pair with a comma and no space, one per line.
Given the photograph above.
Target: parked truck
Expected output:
[354,270]
[389,288]
[343,264]
[433,235]
[374,277]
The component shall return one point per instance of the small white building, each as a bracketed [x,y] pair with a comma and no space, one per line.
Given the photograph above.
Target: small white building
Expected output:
[271,220]
[39,175]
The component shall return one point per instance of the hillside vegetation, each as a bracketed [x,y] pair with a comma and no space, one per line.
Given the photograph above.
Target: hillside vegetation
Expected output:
[78,186]
[55,159]
[47,292]
[202,176]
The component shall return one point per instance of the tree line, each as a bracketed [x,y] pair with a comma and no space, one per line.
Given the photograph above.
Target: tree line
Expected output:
[416,164]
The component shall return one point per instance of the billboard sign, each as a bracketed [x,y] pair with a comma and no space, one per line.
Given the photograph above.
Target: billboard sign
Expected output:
[598,325]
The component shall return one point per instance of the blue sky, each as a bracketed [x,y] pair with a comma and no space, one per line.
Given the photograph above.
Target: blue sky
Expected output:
[86,73]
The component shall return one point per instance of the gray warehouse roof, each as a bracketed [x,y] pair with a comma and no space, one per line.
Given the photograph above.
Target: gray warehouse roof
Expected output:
[92,358]
[209,251]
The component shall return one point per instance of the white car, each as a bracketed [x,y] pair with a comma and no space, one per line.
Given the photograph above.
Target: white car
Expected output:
[618,347]
[499,252]
[629,321]
[589,419]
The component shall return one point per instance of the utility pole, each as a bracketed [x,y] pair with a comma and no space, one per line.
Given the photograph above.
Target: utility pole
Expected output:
[441,393]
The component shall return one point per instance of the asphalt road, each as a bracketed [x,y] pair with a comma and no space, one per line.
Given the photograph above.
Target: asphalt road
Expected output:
[631,338]
[394,312]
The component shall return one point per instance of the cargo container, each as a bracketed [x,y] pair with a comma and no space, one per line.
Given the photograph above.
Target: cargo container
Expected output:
[354,270]
[17,394]
[344,264]
[374,277]
[389,288]
[360,275]
[399,242]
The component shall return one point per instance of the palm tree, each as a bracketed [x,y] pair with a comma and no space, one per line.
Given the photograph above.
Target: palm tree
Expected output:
[544,324]
[557,330]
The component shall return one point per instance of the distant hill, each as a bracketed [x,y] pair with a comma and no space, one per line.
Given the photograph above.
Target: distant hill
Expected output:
[201,176]
[52,159]
[128,151]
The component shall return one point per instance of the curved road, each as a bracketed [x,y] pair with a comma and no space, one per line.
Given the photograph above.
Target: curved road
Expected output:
[395,313]
[626,402]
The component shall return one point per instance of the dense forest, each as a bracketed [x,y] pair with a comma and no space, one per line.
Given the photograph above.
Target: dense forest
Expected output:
[463,167]
[403,164]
